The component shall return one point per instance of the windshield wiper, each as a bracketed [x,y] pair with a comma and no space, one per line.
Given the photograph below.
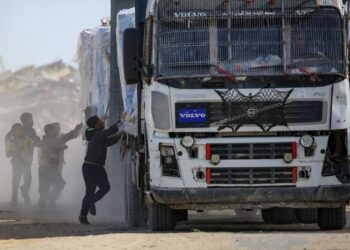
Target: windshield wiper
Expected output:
[314,76]
[222,71]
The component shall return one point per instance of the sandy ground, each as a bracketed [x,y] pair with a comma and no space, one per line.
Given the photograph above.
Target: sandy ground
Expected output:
[33,230]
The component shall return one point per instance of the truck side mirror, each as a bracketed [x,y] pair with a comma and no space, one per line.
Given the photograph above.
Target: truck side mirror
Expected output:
[131,56]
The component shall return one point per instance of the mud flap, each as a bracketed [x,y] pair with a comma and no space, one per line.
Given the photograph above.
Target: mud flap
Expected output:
[134,202]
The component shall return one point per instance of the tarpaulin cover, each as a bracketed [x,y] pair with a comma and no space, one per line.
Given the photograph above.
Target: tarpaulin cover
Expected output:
[126,19]
[93,56]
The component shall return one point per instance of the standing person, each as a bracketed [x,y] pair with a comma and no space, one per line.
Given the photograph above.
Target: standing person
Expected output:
[51,161]
[18,147]
[27,123]
[93,168]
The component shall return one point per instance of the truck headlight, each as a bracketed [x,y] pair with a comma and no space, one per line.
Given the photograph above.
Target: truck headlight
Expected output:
[169,164]
[167,151]
[307,141]
[168,160]
[160,111]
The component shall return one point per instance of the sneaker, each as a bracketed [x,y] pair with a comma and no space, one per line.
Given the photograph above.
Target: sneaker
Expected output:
[92,209]
[83,220]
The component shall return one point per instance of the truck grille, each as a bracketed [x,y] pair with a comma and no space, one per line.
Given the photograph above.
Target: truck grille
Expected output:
[294,113]
[251,151]
[252,176]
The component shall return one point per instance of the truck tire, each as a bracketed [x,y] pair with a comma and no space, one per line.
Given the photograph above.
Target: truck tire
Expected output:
[331,218]
[307,215]
[266,215]
[134,205]
[279,216]
[162,218]
[181,215]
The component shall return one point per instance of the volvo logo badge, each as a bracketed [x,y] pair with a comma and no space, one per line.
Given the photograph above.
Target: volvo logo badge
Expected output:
[251,113]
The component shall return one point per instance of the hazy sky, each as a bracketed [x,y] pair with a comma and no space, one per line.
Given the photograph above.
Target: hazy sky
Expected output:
[41,31]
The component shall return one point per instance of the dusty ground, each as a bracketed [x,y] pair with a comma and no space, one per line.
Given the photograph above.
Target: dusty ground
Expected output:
[33,230]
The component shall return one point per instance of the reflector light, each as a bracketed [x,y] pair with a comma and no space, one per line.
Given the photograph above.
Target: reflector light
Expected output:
[295,172]
[208,153]
[208,173]
[294,148]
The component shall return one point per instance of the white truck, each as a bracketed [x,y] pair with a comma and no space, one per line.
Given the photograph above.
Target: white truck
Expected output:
[241,105]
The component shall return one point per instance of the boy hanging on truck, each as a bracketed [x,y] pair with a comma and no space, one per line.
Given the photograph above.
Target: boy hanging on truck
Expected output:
[51,161]
[94,172]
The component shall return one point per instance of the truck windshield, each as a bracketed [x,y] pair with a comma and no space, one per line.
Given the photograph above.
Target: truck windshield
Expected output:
[202,38]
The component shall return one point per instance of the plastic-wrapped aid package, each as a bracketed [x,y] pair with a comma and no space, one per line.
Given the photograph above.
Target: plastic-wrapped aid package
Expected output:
[93,57]
[126,19]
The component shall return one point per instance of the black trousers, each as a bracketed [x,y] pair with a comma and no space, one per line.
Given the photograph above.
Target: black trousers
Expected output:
[94,177]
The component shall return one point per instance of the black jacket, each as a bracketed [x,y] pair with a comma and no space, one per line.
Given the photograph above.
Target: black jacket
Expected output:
[98,141]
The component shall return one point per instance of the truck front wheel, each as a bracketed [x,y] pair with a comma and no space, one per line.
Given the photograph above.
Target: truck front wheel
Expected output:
[181,215]
[278,215]
[307,215]
[134,202]
[162,218]
[331,218]
[266,215]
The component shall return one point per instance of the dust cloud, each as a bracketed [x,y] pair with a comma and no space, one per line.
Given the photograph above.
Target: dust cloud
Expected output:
[51,93]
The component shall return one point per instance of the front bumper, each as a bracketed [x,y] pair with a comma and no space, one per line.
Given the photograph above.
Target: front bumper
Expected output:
[266,197]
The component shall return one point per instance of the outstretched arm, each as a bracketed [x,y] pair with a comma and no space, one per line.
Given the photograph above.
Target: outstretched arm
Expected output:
[113,139]
[103,135]
[72,134]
